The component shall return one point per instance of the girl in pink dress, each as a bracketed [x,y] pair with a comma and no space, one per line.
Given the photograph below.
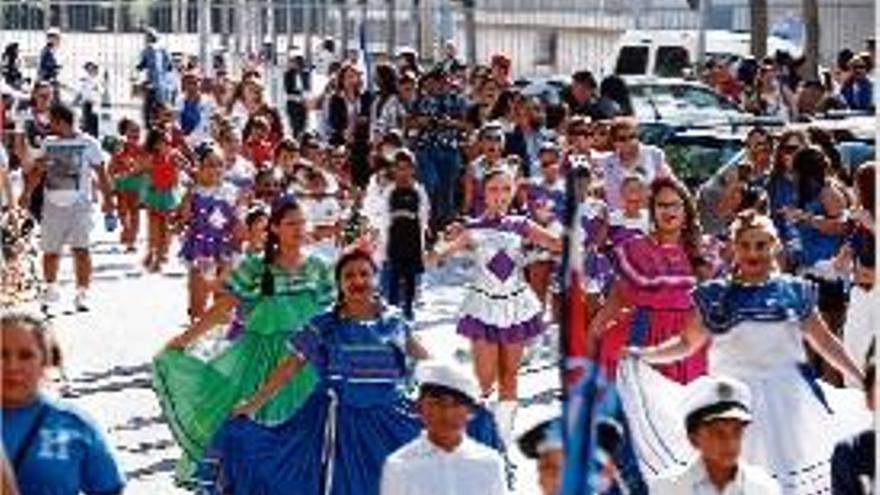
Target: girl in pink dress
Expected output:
[650,300]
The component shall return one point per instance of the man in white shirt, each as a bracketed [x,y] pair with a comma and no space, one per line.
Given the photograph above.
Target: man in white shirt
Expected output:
[443,460]
[66,161]
[718,412]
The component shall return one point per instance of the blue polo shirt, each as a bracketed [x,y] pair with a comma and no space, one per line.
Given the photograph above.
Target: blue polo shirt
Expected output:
[69,453]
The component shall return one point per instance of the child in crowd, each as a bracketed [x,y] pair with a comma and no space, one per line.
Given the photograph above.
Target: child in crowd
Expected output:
[163,165]
[209,244]
[404,224]
[126,171]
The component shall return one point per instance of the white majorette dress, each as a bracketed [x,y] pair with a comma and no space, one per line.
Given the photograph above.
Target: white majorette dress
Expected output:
[757,337]
[499,306]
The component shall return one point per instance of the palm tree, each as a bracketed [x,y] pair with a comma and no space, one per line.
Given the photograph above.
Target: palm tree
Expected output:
[758,15]
[811,45]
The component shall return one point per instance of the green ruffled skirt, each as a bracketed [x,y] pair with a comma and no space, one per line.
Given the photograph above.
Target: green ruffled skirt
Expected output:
[161,199]
[198,396]
[130,183]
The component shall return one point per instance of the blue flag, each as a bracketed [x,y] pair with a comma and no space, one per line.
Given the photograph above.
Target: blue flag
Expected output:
[599,454]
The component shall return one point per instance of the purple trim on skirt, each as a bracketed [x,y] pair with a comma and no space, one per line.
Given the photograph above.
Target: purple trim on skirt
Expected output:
[475,329]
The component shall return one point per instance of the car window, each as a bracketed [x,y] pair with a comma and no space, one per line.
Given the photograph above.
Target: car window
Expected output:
[698,97]
[632,60]
[671,61]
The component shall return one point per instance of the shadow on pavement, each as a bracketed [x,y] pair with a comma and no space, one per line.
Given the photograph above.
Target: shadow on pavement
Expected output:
[139,423]
[163,466]
[116,371]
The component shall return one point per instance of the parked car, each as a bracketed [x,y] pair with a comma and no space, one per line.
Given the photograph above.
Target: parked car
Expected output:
[685,103]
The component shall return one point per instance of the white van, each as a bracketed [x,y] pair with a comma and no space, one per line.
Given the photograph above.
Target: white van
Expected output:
[670,53]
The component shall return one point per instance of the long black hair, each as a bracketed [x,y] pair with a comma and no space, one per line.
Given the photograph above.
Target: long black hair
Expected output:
[272,249]
[810,166]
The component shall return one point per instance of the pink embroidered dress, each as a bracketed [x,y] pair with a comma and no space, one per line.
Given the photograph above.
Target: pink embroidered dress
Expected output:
[657,280]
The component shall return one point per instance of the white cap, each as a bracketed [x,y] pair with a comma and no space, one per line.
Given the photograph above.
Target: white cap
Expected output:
[449,375]
[53,31]
[717,397]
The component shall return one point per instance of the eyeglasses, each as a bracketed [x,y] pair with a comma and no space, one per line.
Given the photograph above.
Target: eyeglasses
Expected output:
[670,205]
[625,137]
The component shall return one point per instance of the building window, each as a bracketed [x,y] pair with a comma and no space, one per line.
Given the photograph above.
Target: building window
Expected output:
[547,47]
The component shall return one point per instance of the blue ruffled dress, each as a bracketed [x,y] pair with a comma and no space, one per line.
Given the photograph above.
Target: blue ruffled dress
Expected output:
[355,418]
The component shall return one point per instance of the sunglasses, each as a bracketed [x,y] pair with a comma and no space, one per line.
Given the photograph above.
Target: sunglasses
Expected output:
[789,148]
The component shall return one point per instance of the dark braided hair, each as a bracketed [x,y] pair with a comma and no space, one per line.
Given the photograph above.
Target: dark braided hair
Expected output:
[271,251]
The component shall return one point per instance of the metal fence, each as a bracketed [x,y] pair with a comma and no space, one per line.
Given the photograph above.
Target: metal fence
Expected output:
[542,36]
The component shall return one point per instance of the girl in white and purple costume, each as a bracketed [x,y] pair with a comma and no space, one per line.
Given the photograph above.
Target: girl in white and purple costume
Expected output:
[500,312]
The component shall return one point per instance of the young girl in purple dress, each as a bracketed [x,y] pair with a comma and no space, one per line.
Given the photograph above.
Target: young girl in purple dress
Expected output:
[209,244]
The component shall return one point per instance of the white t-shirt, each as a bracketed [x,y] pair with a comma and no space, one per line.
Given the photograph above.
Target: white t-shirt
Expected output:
[651,164]
[68,164]
[422,468]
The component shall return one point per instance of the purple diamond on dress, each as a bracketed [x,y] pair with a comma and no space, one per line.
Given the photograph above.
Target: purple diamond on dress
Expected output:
[501,265]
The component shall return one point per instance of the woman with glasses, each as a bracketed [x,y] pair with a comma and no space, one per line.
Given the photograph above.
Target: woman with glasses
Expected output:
[630,156]
[650,299]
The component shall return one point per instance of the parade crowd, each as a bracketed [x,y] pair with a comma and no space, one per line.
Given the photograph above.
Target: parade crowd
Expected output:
[734,318]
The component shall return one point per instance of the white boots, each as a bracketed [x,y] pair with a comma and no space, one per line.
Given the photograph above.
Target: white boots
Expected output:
[505,412]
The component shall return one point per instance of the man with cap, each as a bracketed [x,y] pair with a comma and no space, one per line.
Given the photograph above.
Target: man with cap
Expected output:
[543,443]
[718,410]
[444,460]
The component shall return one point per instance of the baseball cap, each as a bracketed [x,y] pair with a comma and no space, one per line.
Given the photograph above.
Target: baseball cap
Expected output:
[543,435]
[717,397]
[449,378]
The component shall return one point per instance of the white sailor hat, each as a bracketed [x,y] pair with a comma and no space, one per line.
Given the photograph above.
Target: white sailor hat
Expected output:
[449,377]
[717,397]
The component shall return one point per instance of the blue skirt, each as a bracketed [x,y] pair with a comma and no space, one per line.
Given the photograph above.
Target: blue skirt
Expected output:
[303,454]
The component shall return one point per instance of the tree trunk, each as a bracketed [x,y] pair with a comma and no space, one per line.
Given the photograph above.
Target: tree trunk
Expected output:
[811,45]
[758,15]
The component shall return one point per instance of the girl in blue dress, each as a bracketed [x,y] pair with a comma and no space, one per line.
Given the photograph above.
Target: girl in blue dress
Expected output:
[356,417]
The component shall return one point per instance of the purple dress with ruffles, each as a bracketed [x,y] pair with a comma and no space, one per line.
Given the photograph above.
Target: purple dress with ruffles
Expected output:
[499,306]
[209,235]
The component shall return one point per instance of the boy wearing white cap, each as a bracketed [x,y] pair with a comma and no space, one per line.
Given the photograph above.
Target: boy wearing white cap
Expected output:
[543,443]
[718,412]
[444,460]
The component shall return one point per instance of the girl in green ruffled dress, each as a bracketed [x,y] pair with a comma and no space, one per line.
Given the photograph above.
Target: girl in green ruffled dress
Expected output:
[276,294]
[164,165]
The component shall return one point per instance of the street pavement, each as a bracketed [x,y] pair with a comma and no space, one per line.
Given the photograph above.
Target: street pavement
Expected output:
[108,351]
